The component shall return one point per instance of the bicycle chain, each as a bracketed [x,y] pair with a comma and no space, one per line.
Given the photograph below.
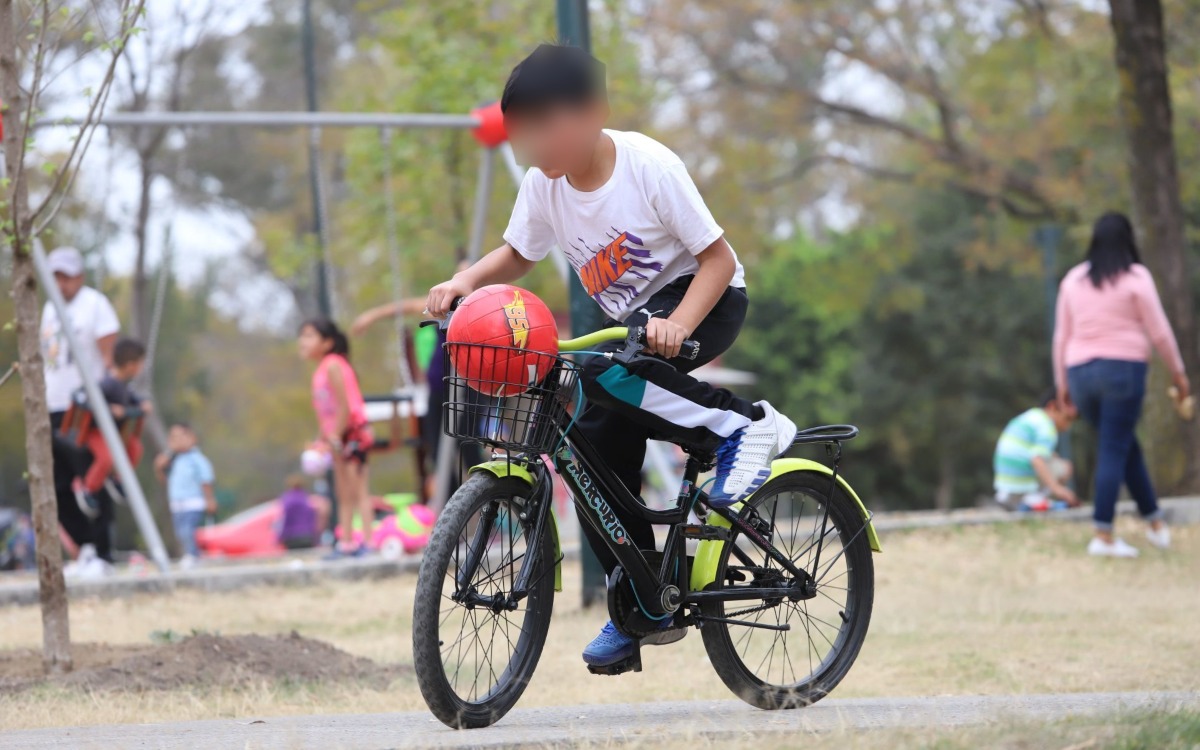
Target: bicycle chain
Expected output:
[751,610]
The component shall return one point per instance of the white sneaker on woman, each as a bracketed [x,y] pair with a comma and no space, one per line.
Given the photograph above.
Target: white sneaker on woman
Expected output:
[1160,537]
[1116,548]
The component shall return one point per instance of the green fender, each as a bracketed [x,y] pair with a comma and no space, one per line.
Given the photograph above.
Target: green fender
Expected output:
[521,471]
[708,552]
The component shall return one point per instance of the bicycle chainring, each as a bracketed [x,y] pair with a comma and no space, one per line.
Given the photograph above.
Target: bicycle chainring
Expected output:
[623,607]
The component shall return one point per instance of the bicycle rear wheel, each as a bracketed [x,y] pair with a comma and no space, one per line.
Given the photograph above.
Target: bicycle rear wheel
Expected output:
[474,649]
[773,668]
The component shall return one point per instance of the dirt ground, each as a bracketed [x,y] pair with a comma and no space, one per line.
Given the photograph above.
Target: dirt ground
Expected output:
[202,660]
[978,610]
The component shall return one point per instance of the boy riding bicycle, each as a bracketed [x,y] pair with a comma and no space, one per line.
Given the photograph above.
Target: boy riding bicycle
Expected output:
[633,225]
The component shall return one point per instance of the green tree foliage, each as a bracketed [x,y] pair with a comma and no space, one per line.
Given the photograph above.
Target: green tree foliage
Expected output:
[879,168]
[930,358]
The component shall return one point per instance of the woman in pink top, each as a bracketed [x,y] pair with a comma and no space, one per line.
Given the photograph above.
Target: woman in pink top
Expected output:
[342,419]
[1108,316]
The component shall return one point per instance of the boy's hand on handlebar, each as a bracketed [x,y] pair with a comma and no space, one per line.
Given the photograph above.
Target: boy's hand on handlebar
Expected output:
[664,337]
[443,295]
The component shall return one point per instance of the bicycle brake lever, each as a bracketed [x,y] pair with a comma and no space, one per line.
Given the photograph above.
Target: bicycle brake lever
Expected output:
[632,351]
[635,345]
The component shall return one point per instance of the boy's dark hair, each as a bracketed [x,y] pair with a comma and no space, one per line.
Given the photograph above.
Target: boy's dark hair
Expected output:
[1049,396]
[183,425]
[126,351]
[329,331]
[553,74]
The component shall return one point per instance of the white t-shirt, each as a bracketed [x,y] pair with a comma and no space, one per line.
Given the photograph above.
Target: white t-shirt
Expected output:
[627,239]
[93,318]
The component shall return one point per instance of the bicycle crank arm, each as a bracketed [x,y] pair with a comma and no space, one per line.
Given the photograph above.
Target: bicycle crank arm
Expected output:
[746,623]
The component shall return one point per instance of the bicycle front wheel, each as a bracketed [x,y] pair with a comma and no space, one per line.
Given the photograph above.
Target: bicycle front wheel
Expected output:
[474,647]
[790,651]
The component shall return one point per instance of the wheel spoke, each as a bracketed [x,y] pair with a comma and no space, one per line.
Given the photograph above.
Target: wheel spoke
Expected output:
[796,518]
[479,658]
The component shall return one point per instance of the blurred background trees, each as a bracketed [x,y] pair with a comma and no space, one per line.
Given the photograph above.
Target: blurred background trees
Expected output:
[882,169]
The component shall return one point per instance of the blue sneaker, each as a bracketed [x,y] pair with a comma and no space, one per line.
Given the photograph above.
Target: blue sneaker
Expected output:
[610,647]
[744,458]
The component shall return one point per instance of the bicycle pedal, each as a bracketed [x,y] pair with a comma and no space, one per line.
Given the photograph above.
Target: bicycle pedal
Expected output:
[630,664]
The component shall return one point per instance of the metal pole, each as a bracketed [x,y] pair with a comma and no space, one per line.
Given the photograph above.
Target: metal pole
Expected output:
[517,172]
[447,456]
[400,120]
[103,418]
[1048,237]
[585,313]
[314,160]
[447,460]
[483,197]
[573,26]
[324,303]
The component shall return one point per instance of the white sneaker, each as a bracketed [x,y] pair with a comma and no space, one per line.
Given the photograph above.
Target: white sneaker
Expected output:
[89,566]
[97,569]
[1160,537]
[76,569]
[744,459]
[1116,548]
[187,562]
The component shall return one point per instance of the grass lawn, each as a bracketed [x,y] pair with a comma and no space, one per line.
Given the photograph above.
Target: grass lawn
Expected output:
[977,610]
[1133,731]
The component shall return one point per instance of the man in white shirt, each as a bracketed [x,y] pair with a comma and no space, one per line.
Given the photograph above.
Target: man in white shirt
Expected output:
[94,323]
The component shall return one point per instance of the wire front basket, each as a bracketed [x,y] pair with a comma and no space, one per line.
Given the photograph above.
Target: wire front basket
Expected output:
[509,398]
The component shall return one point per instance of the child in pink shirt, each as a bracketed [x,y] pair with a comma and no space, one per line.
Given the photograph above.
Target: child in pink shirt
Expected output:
[342,419]
[1108,317]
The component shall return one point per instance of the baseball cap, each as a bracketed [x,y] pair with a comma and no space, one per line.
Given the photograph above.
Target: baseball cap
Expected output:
[66,260]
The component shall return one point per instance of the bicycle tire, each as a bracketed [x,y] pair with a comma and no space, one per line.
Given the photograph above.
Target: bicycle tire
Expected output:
[723,641]
[432,622]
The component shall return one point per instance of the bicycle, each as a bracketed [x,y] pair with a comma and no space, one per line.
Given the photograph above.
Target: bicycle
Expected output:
[797,548]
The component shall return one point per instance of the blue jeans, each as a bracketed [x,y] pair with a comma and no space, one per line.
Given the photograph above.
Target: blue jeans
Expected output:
[1109,394]
[186,524]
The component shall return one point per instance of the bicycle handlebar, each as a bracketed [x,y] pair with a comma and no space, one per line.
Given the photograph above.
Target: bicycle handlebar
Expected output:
[595,338]
[689,349]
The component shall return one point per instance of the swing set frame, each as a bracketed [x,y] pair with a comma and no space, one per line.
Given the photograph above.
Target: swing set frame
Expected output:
[486,124]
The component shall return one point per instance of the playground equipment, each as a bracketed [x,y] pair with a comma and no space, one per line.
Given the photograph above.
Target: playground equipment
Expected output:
[487,125]
[410,399]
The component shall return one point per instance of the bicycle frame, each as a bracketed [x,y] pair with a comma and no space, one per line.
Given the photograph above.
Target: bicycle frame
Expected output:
[596,490]
[661,592]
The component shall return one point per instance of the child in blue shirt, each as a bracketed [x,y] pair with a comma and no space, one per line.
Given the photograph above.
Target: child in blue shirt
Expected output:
[189,477]
[629,219]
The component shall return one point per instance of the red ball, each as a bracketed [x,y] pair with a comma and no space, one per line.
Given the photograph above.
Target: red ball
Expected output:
[514,335]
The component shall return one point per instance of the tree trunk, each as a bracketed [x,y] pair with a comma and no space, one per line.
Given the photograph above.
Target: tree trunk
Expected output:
[56,632]
[1145,105]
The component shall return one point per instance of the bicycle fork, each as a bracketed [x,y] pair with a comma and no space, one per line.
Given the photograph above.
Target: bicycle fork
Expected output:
[533,516]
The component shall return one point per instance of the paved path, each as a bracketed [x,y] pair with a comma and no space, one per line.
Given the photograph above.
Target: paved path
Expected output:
[642,724]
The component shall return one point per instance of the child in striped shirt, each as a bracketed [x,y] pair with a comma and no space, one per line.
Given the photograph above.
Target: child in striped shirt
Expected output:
[1029,474]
